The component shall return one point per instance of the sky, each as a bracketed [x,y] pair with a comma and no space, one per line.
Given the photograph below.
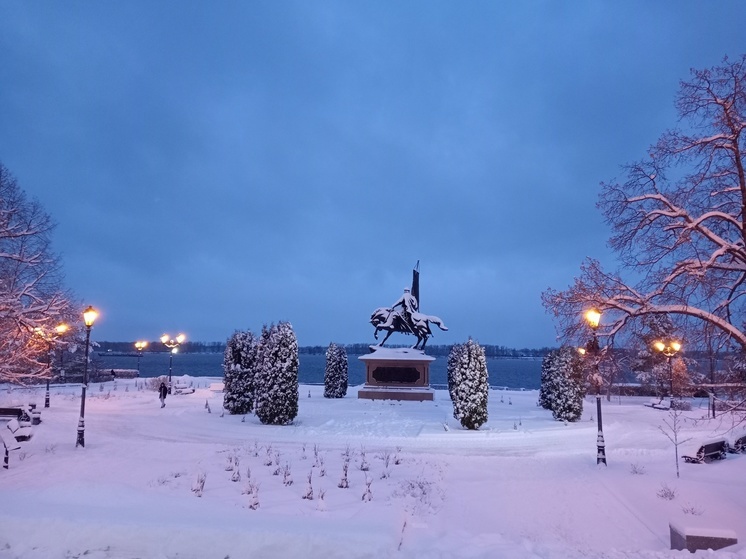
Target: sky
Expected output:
[220,166]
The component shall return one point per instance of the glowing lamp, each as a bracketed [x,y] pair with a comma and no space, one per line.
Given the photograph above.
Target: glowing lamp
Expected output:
[89,316]
[593,317]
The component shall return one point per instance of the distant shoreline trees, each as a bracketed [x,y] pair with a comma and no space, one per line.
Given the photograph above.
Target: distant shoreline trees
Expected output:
[490,351]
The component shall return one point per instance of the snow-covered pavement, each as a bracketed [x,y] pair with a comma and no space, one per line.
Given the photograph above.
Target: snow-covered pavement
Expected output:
[523,486]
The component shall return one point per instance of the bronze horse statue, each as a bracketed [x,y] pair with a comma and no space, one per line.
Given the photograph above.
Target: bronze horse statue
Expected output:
[419,326]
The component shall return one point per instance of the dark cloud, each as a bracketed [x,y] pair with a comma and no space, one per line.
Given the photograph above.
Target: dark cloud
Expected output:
[218,166]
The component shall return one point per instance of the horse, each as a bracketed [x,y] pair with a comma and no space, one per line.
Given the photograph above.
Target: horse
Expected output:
[420,326]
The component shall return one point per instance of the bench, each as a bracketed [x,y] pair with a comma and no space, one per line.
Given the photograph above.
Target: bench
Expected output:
[11,412]
[183,389]
[29,415]
[738,447]
[693,538]
[9,443]
[659,404]
[19,432]
[713,450]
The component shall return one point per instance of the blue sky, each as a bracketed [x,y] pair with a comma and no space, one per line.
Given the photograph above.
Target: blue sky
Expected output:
[215,166]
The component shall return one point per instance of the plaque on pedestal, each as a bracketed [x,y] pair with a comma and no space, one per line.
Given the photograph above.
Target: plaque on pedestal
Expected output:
[396,374]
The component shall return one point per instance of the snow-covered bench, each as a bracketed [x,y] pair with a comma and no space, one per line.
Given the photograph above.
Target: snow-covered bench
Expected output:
[11,412]
[659,404]
[183,388]
[19,432]
[715,449]
[9,443]
[739,446]
[684,535]
[31,415]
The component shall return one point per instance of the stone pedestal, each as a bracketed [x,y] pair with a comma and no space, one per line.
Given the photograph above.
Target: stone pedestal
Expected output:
[397,374]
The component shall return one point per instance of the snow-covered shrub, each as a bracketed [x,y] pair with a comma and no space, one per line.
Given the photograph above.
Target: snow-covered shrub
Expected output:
[667,493]
[309,490]
[199,484]
[547,389]
[636,469]
[344,483]
[692,509]
[239,366]
[276,379]
[335,374]
[468,379]
[454,358]
[562,389]
[367,494]
[568,398]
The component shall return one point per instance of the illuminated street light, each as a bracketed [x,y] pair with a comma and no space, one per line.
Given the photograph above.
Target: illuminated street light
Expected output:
[50,339]
[139,346]
[669,348]
[172,344]
[89,317]
[593,318]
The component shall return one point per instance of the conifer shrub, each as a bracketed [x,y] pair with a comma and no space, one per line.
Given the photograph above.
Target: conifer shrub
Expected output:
[336,372]
[468,383]
[239,369]
[276,381]
[562,388]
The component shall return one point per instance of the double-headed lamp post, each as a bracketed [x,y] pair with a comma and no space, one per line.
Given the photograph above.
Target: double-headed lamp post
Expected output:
[50,337]
[139,346]
[593,318]
[172,344]
[89,317]
[669,348]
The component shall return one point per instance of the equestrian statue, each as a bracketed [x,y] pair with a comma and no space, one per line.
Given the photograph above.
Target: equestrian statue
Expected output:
[404,316]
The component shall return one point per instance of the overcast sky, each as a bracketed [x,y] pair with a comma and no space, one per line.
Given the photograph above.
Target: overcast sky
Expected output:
[215,166]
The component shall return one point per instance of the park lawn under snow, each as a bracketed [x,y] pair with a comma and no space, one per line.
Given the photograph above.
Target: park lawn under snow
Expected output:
[523,486]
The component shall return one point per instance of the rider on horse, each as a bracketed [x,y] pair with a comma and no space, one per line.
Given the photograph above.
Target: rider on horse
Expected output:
[409,306]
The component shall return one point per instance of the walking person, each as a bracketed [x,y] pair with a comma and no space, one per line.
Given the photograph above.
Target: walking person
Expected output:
[162,391]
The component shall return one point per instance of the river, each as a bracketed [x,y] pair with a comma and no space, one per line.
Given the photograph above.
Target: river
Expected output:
[503,372]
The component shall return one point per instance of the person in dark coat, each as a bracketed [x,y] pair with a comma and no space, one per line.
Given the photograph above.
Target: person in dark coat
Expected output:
[162,391]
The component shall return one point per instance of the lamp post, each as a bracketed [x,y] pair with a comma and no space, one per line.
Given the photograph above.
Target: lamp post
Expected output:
[669,348]
[50,338]
[139,346]
[593,318]
[89,317]
[172,344]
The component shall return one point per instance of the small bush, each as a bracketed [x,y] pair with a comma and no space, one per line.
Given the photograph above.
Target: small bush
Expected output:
[666,492]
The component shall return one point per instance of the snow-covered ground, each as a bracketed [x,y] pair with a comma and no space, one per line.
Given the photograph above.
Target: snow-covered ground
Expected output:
[523,486]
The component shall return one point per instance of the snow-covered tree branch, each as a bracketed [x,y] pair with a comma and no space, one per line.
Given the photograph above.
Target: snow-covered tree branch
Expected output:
[32,298]
[677,223]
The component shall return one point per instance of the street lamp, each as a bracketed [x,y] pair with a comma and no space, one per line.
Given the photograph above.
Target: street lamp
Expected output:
[593,318]
[139,346]
[50,338]
[89,317]
[669,348]
[172,344]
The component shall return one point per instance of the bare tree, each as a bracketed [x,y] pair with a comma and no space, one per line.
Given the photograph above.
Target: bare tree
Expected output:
[673,431]
[678,223]
[32,299]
